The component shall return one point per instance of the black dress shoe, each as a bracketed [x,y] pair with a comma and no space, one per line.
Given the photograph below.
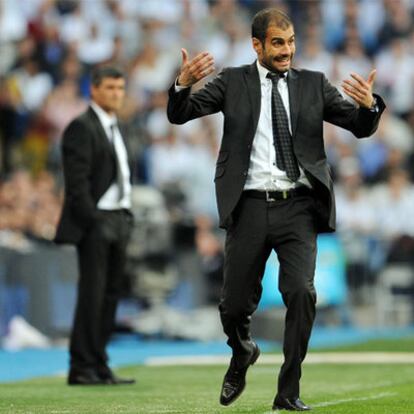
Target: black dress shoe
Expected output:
[289,404]
[110,378]
[86,377]
[235,378]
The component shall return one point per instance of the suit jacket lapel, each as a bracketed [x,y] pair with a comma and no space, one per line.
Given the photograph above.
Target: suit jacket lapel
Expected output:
[99,129]
[295,89]
[101,132]
[253,86]
[124,133]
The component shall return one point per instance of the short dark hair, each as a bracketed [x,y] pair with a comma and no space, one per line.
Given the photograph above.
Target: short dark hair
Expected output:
[265,17]
[106,71]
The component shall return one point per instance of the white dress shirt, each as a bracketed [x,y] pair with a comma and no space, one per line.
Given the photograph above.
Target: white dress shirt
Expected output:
[263,173]
[110,199]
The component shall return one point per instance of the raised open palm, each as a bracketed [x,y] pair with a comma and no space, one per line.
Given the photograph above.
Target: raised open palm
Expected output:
[195,69]
[359,89]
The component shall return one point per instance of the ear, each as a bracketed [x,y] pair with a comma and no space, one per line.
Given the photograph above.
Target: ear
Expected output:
[257,45]
[92,90]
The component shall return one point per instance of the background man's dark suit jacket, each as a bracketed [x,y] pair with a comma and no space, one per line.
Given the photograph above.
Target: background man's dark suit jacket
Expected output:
[236,93]
[89,169]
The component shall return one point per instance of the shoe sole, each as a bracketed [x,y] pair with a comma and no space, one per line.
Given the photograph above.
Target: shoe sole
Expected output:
[85,384]
[254,358]
[275,408]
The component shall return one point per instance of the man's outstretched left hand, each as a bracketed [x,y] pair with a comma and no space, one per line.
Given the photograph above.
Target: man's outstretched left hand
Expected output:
[359,89]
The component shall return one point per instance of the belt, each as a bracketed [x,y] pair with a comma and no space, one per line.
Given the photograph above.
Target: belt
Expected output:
[278,195]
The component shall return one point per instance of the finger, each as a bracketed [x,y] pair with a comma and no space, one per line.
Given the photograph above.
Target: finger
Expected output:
[201,56]
[354,84]
[353,93]
[372,76]
[208,71]
[361,94]
[359,79]
[184,55]
[201,62]
[206,64]
[201,65]
[356,89]
[352,90]
[203,73]
[357,86]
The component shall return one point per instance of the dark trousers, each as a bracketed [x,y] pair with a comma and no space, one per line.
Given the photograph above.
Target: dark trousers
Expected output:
[288,227]
[101,256]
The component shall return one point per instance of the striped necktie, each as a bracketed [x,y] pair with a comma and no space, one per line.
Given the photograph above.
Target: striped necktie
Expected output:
[285,157]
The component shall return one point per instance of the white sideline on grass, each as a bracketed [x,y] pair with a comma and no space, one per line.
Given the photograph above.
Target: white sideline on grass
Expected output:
[347,400]
[312,358]
[344,401]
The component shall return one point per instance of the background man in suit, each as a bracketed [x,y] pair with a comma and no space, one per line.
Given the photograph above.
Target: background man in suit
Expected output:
[96,218]
[273,183]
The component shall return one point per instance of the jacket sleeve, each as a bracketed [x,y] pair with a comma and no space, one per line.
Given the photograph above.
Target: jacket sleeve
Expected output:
[77,163]
[184,105]
[362,122]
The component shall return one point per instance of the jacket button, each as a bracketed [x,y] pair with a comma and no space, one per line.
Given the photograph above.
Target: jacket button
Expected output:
[245,173]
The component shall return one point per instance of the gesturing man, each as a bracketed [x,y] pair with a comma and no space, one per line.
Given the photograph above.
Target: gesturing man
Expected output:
[273,184]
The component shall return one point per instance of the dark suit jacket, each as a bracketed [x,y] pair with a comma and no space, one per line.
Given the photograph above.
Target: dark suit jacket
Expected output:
[89,170]
[236,93]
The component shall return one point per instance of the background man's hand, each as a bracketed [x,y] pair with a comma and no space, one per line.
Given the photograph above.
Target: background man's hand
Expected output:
[194,70]
[359,89]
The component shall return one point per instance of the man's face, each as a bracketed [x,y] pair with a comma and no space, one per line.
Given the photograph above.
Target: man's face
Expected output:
[278,50]
[109,94]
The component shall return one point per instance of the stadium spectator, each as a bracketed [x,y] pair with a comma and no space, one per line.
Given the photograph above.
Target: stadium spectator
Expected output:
[356,225]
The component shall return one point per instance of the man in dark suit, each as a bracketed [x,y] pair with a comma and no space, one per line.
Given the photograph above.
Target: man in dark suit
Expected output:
[273,184]
[96,218]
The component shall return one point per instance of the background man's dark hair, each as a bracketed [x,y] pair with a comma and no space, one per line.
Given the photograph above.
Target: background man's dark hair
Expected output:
[264,18]
[101,72]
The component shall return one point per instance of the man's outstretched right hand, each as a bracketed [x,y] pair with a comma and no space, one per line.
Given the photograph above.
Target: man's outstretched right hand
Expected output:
[196,69]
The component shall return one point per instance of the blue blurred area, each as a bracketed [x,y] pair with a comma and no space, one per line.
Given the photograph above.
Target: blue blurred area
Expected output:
[127,350]
[130,350]
[330,280]
[44,290]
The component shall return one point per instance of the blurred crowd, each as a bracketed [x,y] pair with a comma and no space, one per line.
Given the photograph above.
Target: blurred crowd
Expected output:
[48,48]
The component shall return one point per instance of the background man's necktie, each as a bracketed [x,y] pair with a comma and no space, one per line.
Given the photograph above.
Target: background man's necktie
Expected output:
[285,157]
[119,177]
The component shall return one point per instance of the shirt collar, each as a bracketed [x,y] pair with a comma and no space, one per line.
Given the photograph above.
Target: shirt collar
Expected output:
[106,120]
[264,71]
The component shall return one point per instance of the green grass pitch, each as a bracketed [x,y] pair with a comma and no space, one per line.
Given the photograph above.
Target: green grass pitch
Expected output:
[333,389]
[329,388]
